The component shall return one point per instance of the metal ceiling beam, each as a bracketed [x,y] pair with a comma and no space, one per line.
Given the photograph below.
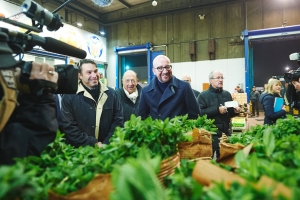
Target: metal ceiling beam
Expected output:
[124,3]
[85,7]
[80,12]
[165,12]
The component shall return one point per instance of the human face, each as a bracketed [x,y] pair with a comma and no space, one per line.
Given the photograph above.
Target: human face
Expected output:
[165,75]
[276,88]
[186,79]
[217,80]
[89,75]
[130,82]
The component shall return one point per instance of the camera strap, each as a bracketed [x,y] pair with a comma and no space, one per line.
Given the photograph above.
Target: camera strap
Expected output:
[8,102]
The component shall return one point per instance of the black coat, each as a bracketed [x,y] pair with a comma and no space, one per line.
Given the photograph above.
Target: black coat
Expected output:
[128,106]
[80,114]
[267,100]
[196,93]
[30,129]
[210,101]
[177,100]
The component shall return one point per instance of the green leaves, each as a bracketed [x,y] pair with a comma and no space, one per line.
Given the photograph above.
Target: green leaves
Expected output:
[137,179]
[269,141]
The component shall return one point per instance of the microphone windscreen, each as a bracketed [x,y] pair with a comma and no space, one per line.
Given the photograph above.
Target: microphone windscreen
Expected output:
[60,47]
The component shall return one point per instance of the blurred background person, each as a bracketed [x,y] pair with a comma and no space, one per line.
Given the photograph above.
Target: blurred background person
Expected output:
[239,89]
[189,80]
[129,94]
[254,97]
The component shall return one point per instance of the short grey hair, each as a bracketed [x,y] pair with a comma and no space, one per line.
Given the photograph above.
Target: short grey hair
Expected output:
[210,76]
[130,71]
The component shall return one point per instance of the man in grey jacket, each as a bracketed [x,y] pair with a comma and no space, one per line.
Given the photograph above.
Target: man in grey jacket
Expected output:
[91,115]
[254,97]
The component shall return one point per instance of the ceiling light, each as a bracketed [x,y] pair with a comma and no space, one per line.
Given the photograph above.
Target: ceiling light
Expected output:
[103,3]
[102,33]
[79,24]
[154,3]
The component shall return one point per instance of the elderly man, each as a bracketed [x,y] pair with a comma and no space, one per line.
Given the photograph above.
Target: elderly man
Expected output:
[212,103]
[189,80]
[129,94]
[90,116]
[166,96]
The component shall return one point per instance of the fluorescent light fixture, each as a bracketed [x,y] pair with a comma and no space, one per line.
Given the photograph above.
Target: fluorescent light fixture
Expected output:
[132,51]
[102,33]
[79,24]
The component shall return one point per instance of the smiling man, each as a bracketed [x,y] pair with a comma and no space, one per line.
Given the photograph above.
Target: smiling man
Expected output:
[166,96]
[212,103]
[129,94]
[90,116]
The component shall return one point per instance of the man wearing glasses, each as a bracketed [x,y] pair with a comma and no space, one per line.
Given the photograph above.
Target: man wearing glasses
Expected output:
[90,116]
[166,96]
[129,94]
[212,103]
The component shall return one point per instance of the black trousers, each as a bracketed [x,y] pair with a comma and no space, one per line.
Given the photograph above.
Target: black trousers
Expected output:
[255,107]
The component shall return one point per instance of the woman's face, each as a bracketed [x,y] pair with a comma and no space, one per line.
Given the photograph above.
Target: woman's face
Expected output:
[276,88]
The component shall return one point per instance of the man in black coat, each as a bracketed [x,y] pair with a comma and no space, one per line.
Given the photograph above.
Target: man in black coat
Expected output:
[91,115]
[166,96]
[129,94]
[212,103]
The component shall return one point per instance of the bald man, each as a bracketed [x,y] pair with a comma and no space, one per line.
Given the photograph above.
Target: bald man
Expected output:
[166,96]
[129,94]
[189,80]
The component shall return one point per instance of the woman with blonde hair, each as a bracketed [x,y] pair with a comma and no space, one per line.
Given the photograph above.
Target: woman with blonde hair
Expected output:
[267,99]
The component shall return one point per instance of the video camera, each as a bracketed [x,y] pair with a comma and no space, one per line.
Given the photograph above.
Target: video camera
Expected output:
[293,95]
[19,43]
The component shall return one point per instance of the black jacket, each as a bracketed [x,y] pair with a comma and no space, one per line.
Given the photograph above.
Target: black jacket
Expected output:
[30,129]
[267,100]
[210,101]
[128,106]
[84,119]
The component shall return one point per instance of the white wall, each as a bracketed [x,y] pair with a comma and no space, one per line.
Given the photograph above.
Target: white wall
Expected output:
[232,69]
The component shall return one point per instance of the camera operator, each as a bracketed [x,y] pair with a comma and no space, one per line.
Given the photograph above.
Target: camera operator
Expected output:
[292,95]
[33,124]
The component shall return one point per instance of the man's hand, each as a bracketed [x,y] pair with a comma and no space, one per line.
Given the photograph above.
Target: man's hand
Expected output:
[43,71]
[237,109]
[296,84]
[222,109]
[99,144]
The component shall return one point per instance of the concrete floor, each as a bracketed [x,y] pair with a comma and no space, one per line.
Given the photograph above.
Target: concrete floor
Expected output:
[253,121]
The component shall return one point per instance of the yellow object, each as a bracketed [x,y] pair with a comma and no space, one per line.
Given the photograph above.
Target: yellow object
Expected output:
[295,111]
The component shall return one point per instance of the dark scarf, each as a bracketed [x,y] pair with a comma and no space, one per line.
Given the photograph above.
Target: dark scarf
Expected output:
[95,92]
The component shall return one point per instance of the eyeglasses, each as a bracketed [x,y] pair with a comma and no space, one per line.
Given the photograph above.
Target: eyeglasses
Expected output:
[161,68]
[130,80]
[186,80]
[219,78]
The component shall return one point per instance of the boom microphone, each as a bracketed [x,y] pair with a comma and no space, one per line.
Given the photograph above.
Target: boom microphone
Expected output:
[59,47]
